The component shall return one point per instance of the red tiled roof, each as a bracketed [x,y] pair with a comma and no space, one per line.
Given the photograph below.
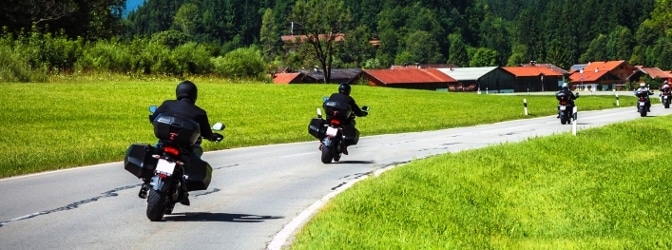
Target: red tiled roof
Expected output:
[526,71]
[594,71]
[409,75]
[655,72]
[292,38]
[285,78]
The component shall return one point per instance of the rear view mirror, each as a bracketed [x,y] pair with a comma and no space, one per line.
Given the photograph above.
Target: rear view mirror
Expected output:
[324,99]
[152,109]
[218,126]
[365,108]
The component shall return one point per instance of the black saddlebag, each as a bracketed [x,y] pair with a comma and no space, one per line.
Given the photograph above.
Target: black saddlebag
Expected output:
[197,174]
[316,128]
[351,135]
[139,161]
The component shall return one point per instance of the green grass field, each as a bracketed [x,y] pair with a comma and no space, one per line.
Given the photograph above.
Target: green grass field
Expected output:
[607,188]
[60,125]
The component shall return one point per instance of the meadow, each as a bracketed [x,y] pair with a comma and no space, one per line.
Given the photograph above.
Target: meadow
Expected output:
[48,126]
[607,188]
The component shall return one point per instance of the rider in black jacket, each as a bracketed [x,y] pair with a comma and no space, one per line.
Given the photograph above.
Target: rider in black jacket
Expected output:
[565,93]
[343,96]
[185,107]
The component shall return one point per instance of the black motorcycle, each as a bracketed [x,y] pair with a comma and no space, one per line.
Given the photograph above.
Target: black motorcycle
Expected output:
[641,104]
[169,166]
[666,98]
[330,132]
[565,108]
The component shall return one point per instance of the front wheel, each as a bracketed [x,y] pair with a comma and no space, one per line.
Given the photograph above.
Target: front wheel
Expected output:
[155,205]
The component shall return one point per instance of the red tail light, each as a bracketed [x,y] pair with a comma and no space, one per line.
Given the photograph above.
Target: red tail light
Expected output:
[335,122]
[563,103]
[171,150]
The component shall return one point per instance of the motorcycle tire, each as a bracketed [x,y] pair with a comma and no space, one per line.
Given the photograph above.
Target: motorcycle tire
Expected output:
[155,205]
[642,112]
[327,150]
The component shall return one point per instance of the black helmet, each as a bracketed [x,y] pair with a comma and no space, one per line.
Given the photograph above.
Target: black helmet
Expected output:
[344,88]
[186,89]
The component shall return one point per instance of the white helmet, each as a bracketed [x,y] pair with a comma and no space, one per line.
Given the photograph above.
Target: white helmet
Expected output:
[642,85]
[665,86]
[564,85]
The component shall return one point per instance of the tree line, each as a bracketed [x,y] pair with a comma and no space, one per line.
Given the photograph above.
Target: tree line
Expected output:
[460,32]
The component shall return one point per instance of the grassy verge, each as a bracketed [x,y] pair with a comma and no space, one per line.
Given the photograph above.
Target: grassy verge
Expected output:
[64,124]
[608,188]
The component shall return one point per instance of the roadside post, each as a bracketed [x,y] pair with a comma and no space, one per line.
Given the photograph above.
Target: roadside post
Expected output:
[617,103]
[574,117]
[525,105]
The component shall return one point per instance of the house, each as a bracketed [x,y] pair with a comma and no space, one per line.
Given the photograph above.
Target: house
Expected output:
[606,75]
[338,37]
[287,78]
[535,77]
[484,79]
[409,77]
[651,72]
[316,75]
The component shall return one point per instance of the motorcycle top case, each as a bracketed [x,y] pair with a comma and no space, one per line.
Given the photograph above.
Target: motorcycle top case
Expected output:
[316,128]
[342,111]
[176,129]
[139,161]
[197,174]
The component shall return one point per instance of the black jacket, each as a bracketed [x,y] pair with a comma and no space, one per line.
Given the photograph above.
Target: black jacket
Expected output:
[338,97]
[186,109]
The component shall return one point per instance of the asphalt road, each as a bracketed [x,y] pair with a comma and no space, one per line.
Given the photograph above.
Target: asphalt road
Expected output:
[256,196]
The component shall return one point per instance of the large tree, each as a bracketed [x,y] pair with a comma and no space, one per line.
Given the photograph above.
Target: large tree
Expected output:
[324,22]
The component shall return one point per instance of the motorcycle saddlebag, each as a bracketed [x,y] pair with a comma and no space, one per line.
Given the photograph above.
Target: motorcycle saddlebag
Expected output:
[139,161]
[176,129]
[197,174]
[316,128]
[351,135]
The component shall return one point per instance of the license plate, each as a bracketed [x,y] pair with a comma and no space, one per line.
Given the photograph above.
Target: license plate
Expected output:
[642,103]
[331,131]
[665,97]
[165,167]
[563,107]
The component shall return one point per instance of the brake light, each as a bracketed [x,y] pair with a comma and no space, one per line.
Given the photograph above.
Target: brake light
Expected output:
[171,150]
[335,122]
[563,103]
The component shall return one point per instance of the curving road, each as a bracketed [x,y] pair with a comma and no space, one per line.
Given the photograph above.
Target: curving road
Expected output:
[253,202]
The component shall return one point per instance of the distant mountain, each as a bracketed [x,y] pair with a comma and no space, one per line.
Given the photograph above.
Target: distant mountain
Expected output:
[132,5]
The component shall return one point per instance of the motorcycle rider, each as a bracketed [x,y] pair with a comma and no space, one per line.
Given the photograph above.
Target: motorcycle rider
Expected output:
[665,89]
[343,96]
[643,91]
[184,106]
[566,93]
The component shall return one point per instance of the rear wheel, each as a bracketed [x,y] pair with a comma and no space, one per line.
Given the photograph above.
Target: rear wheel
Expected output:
[155,205]
[642,111]
[563,118]
[327,151]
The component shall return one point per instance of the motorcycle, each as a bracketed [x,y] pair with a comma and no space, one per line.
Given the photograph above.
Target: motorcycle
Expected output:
[565,108]
[665,99]
[330,132]
[641,103]
[168,169]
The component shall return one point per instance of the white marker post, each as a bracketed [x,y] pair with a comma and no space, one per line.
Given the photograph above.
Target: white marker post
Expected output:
[525,105]
[574,117]
[617,103]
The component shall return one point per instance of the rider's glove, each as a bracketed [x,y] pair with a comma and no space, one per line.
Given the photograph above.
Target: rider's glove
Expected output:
[217,137]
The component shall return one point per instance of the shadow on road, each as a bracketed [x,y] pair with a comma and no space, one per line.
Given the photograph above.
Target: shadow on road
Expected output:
[220,217]
[353,162]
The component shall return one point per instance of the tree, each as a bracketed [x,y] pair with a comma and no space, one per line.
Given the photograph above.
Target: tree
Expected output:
[482,57]
[187,18]
[269,35]
[323,21]
[420,47]
[458,50]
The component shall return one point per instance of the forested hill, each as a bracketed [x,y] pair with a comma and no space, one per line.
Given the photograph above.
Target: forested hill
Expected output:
[462,32]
